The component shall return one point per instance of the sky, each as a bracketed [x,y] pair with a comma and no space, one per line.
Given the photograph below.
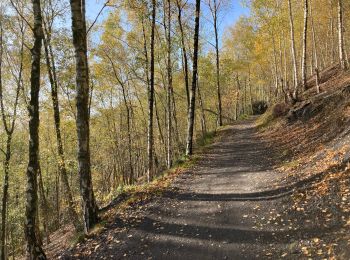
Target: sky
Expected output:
[229,16]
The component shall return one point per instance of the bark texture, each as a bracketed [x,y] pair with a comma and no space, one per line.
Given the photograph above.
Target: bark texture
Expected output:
[90,210]
[294,58]
[33,247]
[191,112]
[303,68]
[342,59]
[169,89]
[150,168]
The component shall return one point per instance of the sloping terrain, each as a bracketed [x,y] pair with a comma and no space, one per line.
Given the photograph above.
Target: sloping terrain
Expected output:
[313,140]
[274,189]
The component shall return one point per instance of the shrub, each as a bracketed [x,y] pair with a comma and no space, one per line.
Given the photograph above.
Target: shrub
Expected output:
[259,107]
[280,109]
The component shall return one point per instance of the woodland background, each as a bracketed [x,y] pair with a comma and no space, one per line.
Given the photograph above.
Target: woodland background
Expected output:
[253,61]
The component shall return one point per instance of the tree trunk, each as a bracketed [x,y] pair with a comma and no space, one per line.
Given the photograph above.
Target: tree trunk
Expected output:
[191,112]
[150,141]
[317,80]
[314,38]
[238,112]
[333,49]
[294,58]
[176,130]
[275,65]
[9,127]
[51,69]
[161,136]
[303,65]
[218,89]
[203,120]
[90,210]
[169,91]
[34,249]
[3,254]
[128,118]
[184,53]
[44,205]
[342,60]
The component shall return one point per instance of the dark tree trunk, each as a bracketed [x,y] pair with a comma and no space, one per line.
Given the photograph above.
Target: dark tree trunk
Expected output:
[3,254]
[34,249]
[150,170]
[90,210]
[191,111]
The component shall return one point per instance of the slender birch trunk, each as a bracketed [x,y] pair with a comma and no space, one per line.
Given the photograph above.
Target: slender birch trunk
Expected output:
[201,104]
[214,13]
[184,52]
[51,70]
[303,64]
[169,90]
[342,59]
[294,58]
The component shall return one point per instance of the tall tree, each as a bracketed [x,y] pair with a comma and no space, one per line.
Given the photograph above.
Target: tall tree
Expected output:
[128,117]
[214,6]
[315,52]
[150,141]
[342,59]
[184,51]
[191,111]
[292,42]
[303,67]
[169,88]
[52,74]
[34,249]
[90,210]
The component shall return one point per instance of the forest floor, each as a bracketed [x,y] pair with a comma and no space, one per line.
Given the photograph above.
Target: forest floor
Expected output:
[234,203]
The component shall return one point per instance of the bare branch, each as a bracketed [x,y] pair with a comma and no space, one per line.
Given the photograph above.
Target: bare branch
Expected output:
[98,15]
[21,15]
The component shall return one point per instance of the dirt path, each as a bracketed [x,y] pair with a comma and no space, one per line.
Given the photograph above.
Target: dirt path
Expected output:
[212,212]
